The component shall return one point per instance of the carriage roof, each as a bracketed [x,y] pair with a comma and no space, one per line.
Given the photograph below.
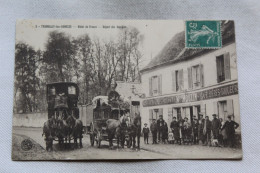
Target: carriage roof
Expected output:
[63,85]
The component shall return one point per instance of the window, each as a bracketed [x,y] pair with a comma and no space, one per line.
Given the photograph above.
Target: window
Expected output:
[178,111]
[52,91]
[224,109]
[177,80]
[223,67]
[195,76]
[71,90]
[154,114]
[155,85]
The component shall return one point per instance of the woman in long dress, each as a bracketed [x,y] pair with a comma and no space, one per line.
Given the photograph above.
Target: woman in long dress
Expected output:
[223,133]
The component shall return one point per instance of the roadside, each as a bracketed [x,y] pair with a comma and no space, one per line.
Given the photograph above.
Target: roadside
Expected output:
[25,148]
[191,151]
[88,152]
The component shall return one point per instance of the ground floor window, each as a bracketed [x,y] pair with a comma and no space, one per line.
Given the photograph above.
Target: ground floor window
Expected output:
[154,114]
[224,109]
[187,111]
[135,109]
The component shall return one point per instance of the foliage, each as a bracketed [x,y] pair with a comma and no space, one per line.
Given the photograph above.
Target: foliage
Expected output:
[26,81]
[92,63]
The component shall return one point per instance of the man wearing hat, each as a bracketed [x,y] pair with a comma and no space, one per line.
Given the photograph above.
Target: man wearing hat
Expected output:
[175,130]
[146,133]
[186,131]
[215,126]
[195,127]
[160,127]
[200,127]
[230,127]
[153,128]
[207,131]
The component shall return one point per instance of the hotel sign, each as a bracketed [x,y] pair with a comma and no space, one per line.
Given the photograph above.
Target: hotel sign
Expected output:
[222,91]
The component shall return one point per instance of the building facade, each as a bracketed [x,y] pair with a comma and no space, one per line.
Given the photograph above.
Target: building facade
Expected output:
[205,83]
[131,91]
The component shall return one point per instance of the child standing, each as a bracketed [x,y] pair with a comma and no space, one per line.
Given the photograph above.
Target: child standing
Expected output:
[146,133]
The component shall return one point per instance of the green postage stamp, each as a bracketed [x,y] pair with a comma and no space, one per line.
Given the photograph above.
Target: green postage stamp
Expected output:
[203,34]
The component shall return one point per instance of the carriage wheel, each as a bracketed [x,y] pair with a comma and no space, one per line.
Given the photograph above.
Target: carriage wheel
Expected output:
[92,139]
[98,139]
[128,143]
[92,136]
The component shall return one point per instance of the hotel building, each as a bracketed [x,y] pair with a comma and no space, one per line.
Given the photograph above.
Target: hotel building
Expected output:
[184,82]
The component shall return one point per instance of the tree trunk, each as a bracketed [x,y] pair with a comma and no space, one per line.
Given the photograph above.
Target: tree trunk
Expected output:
[61,72]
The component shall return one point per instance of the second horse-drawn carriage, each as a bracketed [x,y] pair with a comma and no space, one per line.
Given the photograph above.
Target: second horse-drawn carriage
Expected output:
[110,120]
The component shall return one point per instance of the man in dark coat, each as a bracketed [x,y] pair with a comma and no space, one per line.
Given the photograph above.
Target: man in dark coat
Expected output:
[230,127]
[146,133]
[215,126]
[165,133]
[175,130]
[160,126]
[153,128]
[195,127]
[187,130]
[137,123]
[207,131]
[200,128]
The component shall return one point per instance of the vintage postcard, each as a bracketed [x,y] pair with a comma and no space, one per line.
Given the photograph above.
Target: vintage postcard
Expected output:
[126,89]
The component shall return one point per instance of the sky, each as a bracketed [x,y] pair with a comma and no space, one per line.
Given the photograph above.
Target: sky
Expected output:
[156,32]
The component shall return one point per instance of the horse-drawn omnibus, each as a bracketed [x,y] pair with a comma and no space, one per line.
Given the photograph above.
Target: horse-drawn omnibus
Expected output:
[62,96]
[63,114]
[105,111]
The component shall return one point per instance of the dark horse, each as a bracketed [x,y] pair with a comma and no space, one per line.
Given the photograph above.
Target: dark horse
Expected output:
[131,129]
[135,131]
[116,128]
[49,133]
[75,130]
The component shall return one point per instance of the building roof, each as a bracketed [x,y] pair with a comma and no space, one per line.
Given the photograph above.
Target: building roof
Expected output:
[175,51]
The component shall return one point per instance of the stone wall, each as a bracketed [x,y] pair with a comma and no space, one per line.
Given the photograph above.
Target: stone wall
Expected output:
[30,119]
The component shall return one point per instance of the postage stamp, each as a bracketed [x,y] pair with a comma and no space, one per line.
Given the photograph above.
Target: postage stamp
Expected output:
[203,34]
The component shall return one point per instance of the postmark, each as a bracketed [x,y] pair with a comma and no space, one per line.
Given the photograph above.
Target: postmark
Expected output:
[26,145]
[203,34]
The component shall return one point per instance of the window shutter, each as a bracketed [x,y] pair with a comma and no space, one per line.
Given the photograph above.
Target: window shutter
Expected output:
[174,113]
[173,81]
[201,75]
[150,116]
[218,69]
[193,76]
[215,107]
[203,109]
[230,109]
[189,78]
[181,79]
[169,115]
[160,112]
[227,66]
[150,87]
[160,84]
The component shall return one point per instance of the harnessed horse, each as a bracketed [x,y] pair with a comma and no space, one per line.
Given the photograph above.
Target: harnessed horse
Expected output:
[134,131]
[116,128]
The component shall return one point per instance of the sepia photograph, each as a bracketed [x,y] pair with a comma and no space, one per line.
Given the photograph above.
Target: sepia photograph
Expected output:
[126,89]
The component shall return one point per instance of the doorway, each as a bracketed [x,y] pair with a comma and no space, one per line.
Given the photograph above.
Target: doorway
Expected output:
[188,112]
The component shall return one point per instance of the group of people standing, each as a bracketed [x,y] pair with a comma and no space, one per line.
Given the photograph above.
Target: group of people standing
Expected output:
[215,132]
